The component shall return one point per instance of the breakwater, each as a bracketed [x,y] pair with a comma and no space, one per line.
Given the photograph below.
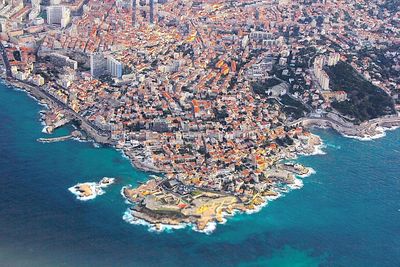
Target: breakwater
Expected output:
[94,132]
[54,139]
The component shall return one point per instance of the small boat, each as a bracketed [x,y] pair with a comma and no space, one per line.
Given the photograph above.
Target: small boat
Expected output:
[106,181]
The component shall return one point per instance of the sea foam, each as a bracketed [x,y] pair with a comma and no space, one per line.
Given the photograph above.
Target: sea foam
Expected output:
[44,130]
[318,150]
[298,183]
[129,218]
[208,230]
[382,133]
[94,188]
[310,172]
[210,226]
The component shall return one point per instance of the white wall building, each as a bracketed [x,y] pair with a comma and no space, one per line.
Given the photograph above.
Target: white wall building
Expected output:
[114,67]
[333,59]
[58,15]
[98,64]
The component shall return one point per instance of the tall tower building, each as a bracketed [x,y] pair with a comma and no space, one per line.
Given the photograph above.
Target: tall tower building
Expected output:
[58,15]
[114,67]
[284,2]
[98,64]
[151,5]
[102,65]
[133,13]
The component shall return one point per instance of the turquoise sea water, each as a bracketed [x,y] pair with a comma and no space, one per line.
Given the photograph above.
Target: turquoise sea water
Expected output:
[347,214]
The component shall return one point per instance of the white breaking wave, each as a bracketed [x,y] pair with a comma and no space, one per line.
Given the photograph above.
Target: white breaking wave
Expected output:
[42,122]
[366,138]
[106,181]
[129,218]
[208,230]
[257,208]
[318,150]
[310,172]
[391,128]
[297,184]
[369,137]
[80,140]
[211,226]
[95,189]
[44,130]
[382,133]
[272,198]
[123,154]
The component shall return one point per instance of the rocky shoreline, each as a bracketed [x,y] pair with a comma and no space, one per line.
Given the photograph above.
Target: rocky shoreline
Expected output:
[367,130]
[158,206]
[52,108]
[159,203]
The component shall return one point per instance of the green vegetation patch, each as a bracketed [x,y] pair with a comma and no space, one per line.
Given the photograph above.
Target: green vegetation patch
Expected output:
[366,101]
[261,87]
[293,108]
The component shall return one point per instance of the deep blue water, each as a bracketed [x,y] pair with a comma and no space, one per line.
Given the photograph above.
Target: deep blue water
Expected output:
[347,214]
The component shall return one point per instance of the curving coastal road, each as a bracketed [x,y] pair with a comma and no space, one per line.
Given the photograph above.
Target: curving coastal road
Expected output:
[5,60]
[365,129]
[99,135]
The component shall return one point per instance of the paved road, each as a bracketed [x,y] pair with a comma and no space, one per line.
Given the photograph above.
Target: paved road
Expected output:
[93,129]
[6,62]
[100,135]
[346,127]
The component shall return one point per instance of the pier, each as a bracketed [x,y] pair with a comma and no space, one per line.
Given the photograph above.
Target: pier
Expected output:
[54,139]
[60,138]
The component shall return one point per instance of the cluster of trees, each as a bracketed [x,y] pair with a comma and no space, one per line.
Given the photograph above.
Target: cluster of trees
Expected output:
[365,100]
[261,87]
[293,108]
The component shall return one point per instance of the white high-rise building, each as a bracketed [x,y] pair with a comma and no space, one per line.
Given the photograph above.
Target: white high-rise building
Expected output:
[284,2]
[58,15]
[114,67]
[35,9]
[320,74]
[98,64]
[333,59]
[324,81]
[3,25]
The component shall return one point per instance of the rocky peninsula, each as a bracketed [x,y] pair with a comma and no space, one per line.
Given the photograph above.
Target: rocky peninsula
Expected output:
[169,202]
